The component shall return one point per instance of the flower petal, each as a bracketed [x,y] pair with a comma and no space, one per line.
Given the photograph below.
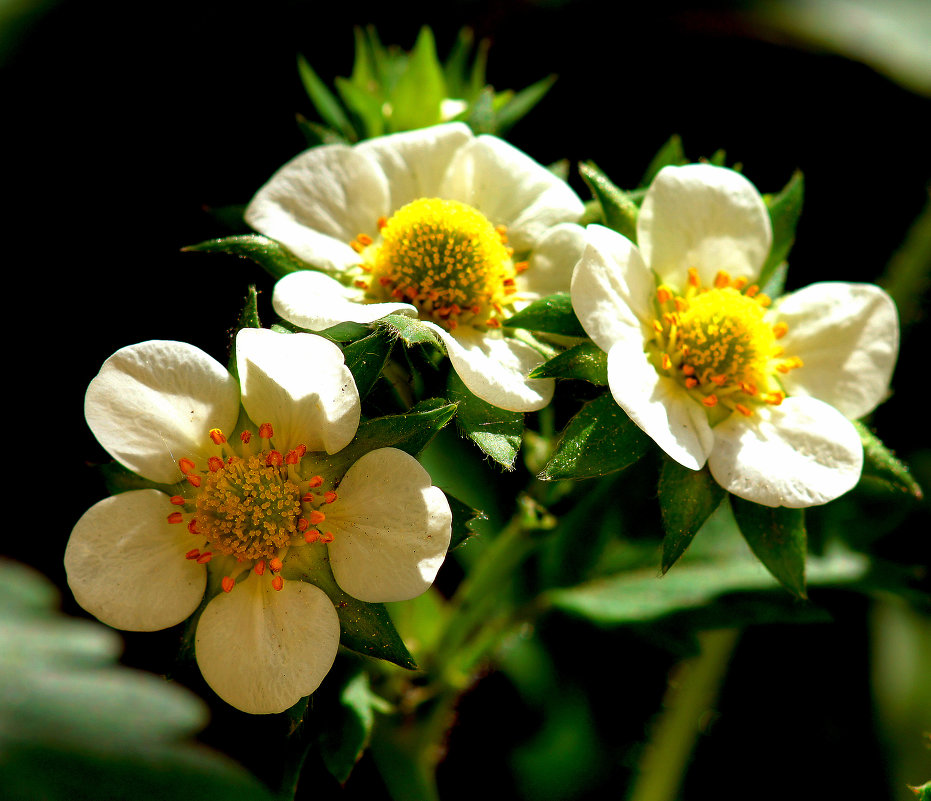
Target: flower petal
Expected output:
[414,162]
[300,384]
[611,288]
[800,453]
[391,528]
[495,368]
[316,301]
[263,650]
[321,200]
[705,217]
[662,408]
[847,336]
[125,563]
[511,189]
[154,402]
[552,261]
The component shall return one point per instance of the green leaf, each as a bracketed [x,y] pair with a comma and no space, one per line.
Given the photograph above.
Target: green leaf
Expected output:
[784,212]
[550,315]
[364,627]
[409,330]
[600,439]
[585,361]
[417,96]
[74,723]
[881,467]
[366,357]
[324,101]
[778,537]
[272,256]
[496,431]
[521,104]
[670,154]
[686,498]
[620,211]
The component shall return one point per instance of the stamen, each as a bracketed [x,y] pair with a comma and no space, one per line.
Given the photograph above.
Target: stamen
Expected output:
[315,481]
[245,437]
[177,500]
[205,557]
[227,583]
[710,401]
[215,463]
[277,583]
[780,330]
[217,436]
[316,516]
[259,568]
[266,431]
[186,466]
[192,554]
[329,497]
[175,517]
[275,564]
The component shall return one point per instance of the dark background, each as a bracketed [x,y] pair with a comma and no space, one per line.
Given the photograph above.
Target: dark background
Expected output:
[124,121]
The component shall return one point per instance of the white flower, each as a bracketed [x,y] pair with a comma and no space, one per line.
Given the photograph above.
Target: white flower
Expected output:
[437,223]
[138,560]
[709,368]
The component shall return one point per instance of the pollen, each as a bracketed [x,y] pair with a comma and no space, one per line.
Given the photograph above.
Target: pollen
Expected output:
[447,259]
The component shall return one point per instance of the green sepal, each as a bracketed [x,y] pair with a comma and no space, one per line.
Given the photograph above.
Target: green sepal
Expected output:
[585,361]
[686,499]
[550,315]
[600,439]
[367,106]
[316,134]
[407,432]
[882,469]
[364,627]
[409,330]
[324,100]
[248,318]
[784,209]
[619,210]
[117,479]
[272,256]
[464,520]
[481,114]
[496,431]
[366,358]
[521,103]
[670,154]
[416,98]
[778,537]
[923,793]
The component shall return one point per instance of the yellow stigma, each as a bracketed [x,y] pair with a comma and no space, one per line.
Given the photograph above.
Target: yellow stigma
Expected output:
[247,509]
[444,257]
[718,344]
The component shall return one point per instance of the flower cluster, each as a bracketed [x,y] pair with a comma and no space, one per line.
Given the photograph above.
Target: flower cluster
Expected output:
[230,495]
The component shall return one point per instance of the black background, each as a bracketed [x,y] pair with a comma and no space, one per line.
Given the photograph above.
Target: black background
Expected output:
[124,121]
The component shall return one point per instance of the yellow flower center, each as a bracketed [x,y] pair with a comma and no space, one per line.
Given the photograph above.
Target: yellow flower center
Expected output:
[445,258]
[717,343]
[250,502]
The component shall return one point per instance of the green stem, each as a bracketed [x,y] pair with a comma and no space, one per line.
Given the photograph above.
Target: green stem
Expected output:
[689,696]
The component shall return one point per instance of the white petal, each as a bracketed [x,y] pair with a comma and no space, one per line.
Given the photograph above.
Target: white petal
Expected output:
[320,201]
[391,528]
[154,402]
[495,368]
[262,650]
[125,563]
[847,336]
[414,162]
[611,288]
[552,261]
[300,384]
[316,301]
[511,189]
[705,217]
[659,405]
[800,453]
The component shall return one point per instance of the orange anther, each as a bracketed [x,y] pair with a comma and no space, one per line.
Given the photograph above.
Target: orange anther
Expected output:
[744,410]
[266,431]
[710,401]
[274,459]
[186,466]
[667,362]
[215,463]
[274,564]
[780,330]
[192,554]
[307,498]
[194,481]
[361,284]
[175,517]
[475,309]
[663,295]
[217,436]
[364,239]
[752,290]
[382,222]
[192,526]
[205,557]
[775,398]
[327,537]
[764,300]
[315,481]
[720,380]
[316,516]
[277,583]
[311,536]
[691,383]
[293,457]
[493,322]
[521,266]
[693,277]
[177,500]
[722,279]
[245,437]
[227,583]
[740,283]
[356,246]
[302,524]
[329,497]
[688,369]
[750,389]
[259,567]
